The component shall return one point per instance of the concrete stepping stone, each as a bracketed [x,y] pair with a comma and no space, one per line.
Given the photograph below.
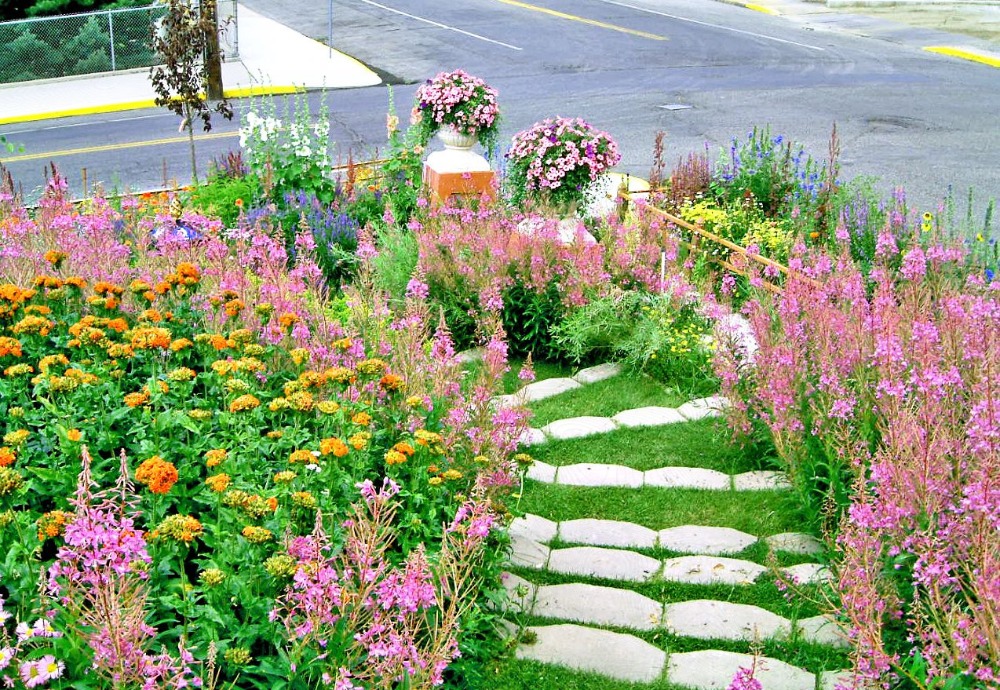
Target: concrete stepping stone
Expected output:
[533,527]
[619,656]
[704,408]
[829,680]
[711,570]
[578,427]
[687,478]
[648,416]
[520,593]
[795,542]
[823,630]
[546,388]
[509,400]
[469,356]
[712,541]
[707,619]
[607,533]
[807,573]
[612,564]
[714,670]
[760,480]
[542,472]
[531,437]
[598,606]
[594,474]
[599,373]
[528,553]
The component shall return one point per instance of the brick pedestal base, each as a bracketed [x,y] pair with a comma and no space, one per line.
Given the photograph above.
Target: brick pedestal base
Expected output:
[444,185]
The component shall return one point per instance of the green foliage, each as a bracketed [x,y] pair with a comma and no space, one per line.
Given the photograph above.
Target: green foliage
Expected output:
[226,197]
[397,257]
[529,316]
[30,58]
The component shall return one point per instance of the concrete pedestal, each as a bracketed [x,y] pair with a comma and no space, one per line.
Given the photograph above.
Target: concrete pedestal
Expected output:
[460,172]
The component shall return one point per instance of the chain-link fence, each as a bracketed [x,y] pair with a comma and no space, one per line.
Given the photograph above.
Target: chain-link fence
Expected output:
[105,41]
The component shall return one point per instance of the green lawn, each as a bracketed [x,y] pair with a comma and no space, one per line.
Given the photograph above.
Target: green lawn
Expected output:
[605,399]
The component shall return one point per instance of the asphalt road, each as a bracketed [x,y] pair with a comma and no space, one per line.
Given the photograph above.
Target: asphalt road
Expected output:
[704,72]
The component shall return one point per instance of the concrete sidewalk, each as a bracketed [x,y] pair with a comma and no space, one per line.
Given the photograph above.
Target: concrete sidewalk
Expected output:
[273,60]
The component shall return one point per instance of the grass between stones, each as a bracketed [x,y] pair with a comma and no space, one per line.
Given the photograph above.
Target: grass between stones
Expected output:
[531,675]
[757,553]
[760,513]
[606,399]
[691,444]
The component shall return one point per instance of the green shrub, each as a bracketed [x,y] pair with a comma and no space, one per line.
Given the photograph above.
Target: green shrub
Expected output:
[227,197]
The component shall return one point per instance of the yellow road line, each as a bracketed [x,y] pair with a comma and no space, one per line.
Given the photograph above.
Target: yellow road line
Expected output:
[582,20]
[964,54]
[117,147]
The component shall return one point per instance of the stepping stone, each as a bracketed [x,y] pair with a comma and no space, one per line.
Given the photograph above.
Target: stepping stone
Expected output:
[511,400]
[528,553]
[808,573]
[623,657]
[533,527]
[598,606]
[760,480]
[829,680]
[703,408]
[469,356]
[531,437]
[541,472]
[795,542]
[823,630]
[686,478]
[578,427]
[648,416]
[705,540]
[706,619]
[612,564]
[598,373]
[711,570]
[594,474]
[607,533]
[714,670]
[520,593]
[546,388]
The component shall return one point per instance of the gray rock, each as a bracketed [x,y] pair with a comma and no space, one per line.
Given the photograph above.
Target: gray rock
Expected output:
[469,356]
[511,400]
[531,437]
[613,564]
[528,553]
[623,657]
[807,573]
[578,427]
[714,670]
[686,478]
[598,373]
[648,416]
[533,527]
[606,533]
[541,472]
[823,630]
[705,540]
[795,542]
[703,408]
[547,388]
[520,593]
[710,570]
[593,474]
[760,480]
[598,606]
[707,619]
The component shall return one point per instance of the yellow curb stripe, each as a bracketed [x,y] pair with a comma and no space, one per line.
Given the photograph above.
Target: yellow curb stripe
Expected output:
[964,54]
[582,20]
[142,105]
[762,8]
[118,147]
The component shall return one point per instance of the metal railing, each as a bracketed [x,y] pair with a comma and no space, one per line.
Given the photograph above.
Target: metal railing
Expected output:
[110,40]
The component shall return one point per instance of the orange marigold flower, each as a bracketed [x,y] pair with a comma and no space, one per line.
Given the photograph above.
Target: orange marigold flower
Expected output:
[233,307]
[180,344]
[55,258]
[48,361]
[343,344]
[188,270]
[218,482]
[219,342]
[256,535]
[333,446]
[244,403]
[139,286]
[303,456]
[394,457]
[157,474]
[119,325]
[33,325]
[215,457]
[359,441]
[404,448]
[77,282]
[136,399]
[10,346]
[105,288]
[7,456]
[52,524]
[391,382]
[150,338]
[272,503]
[361,418]
[152,315]
[74,435]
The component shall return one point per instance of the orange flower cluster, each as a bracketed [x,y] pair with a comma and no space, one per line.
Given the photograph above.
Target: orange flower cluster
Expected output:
[179,528]
[150,338]
[215,457]
[303,456]
[391,383]
[218,482]
[333,446]
[56,258]
[33,325]
[53,524]
[399,453]
[157,474]
[7,456]
[244,403]
[10,346]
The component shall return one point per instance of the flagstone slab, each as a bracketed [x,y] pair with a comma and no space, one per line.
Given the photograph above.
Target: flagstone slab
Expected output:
[704,408]
[596,605]
[648,416]
[823,630]
[606,533]
[599,373]
[616,655]
[613,564]
[509,400]
[710,570]
[528,553]
[595,474]
[700,539]
[829,680]
[542,472]
[807,573]
[760,480]
[547,388]
[469,356]
[520,593]
[795,542]
[534,527]
[687,478]
[707,619]
[578,427]
[714,670]
[532,437]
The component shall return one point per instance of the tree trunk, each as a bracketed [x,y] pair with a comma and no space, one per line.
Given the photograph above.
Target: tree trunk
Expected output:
[190,129]
[213,54]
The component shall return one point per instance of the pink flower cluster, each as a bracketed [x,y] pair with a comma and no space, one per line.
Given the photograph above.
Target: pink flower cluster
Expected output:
[456,98]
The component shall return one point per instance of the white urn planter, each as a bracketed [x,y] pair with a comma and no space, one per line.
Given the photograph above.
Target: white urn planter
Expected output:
[456,140]
[458,156]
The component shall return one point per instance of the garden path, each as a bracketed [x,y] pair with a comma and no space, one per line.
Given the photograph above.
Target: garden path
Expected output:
[582,585]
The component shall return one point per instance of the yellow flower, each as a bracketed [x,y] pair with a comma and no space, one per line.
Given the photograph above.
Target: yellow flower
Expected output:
[243,403]
[394,457]
[327,407]
[211,577]
[218,482]
[304,456]
[74,435]
[16,438]
[435,481]
[284,477]
[451,475]
[215,457]
[257,535]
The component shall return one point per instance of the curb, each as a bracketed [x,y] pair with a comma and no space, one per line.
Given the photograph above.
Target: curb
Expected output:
[961,53]
[763,9]
[244,92]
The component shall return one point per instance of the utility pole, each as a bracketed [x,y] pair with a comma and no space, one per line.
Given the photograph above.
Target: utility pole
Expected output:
[213,54]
